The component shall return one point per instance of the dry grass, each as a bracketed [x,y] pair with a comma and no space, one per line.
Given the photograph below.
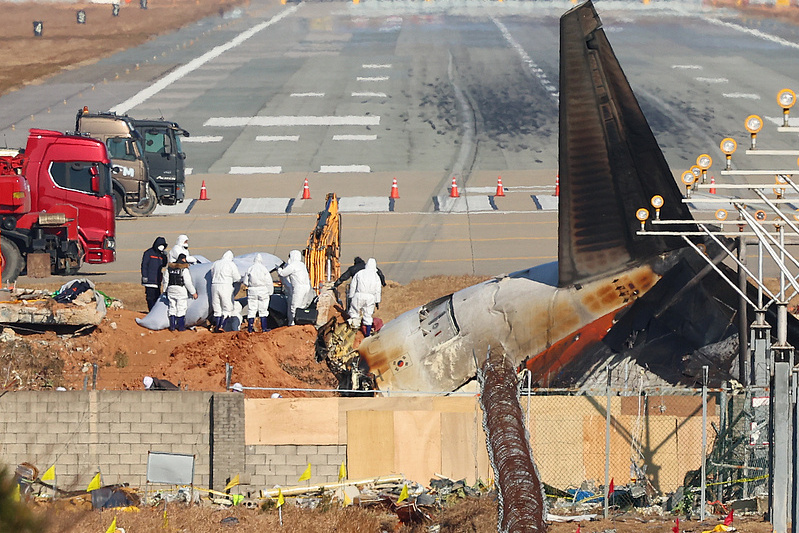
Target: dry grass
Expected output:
[400,298]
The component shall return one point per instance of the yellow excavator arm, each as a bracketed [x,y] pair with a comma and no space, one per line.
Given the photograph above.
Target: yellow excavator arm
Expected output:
[324,245]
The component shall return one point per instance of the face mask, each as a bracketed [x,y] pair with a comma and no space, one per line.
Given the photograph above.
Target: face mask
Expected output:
[186,246]
[160,247]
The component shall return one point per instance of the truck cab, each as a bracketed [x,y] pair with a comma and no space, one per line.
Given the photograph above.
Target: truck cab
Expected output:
[165,158]
[132,188]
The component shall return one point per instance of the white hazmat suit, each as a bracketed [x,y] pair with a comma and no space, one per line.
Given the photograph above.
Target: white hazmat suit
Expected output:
[365,292]
[259,291]
[181,247]
[297,282]
[224,273]
[179,288]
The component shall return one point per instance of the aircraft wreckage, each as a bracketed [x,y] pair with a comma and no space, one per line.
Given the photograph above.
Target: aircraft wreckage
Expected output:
[612,294]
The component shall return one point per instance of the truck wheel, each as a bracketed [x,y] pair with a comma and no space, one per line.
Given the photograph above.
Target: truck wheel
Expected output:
[11,260]
[147,207]
[119,203]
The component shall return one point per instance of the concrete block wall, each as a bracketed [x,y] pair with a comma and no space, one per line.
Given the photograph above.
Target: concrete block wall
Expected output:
[227,438]
[269,465]
[83,432]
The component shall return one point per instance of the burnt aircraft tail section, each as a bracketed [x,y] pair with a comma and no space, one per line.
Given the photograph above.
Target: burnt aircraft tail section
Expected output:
[610,162]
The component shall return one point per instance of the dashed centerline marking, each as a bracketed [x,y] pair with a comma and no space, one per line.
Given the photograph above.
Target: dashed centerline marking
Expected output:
[367,94]
[371,65]
[372,78]
[354,137]
[748,96]
[344,168]
[347,120]
[273,138]
[712,80]
[202,139]
[307,95]
[687,67]
[255,170]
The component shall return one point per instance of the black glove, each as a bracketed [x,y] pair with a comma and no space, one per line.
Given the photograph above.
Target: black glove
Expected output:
[283,264]
[377,306]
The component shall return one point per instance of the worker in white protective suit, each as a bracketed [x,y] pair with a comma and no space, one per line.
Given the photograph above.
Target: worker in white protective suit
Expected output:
[178,290]
[365,292]
[259,289]
[181,247]
[224,273]
[297,283]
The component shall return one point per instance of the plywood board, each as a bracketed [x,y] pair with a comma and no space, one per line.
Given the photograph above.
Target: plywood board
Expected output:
[291,421]
[417,449]
[463,452]
[370,448]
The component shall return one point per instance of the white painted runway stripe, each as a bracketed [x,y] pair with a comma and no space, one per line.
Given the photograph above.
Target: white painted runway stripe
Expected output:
[344,168]
[354,137]
[196,63]
[535,69]
[364,204]
[747,96]
[756,33]
[182,208]
[372,78]
[306,95]
[368,94]
[273,138]
[712,80]
[371,65]
[255,170]
[188,170]
[349,120]
[687,67]
[202,139]
[546,202]
[262,205]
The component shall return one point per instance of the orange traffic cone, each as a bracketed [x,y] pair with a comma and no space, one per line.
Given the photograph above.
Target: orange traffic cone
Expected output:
[557,184]
[306,191]
[394,189]
[453,192]
[712,185]
[500,188]
[203,192]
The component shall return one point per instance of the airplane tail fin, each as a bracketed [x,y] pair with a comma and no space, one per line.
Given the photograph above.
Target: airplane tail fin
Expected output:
[610,162]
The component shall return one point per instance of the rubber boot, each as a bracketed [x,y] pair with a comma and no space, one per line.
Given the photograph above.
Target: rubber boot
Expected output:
[218,324]
[264,327]
[250,325]
[368,330]
[181,323]
[172,322]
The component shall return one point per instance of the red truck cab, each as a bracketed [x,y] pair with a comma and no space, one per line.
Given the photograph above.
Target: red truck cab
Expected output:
[66,208]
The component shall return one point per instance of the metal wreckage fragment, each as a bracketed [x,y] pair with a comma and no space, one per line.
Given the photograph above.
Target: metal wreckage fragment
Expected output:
[522,504]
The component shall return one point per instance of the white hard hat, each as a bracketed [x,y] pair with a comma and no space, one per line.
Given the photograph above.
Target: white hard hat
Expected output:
[237,387]
[276,395]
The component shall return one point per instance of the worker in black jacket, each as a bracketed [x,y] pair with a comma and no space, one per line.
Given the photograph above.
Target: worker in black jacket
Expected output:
[152,264]
[356,267]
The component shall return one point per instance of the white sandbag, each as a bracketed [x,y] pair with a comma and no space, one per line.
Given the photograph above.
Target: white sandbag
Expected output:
[200,308]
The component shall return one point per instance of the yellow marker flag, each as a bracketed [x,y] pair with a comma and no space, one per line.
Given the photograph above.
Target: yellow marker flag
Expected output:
[165,524]
[113,527]
[15,496]
[404,494]
[49,474]
[280,499]
[347,500]
[307,474]
[233,482]
[342,472]
[94,484]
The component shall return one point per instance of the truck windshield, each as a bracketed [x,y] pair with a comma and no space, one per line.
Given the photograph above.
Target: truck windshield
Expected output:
[158,142]
[121,148]
[77,176]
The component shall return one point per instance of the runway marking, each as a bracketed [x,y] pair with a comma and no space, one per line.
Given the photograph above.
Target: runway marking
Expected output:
[712,80]
[687,67]
[188,170]
[196,63]
[748,96]
[364,204]
[344,168]
[202,139]
[464,204]
[272,138]
[347,120]
[183,208]
[371,78]
[354,137]
[368,94]
[553,91]
[546,202]
[262,205]
[755,33]
[255,170]
[371,65]
[307,95]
